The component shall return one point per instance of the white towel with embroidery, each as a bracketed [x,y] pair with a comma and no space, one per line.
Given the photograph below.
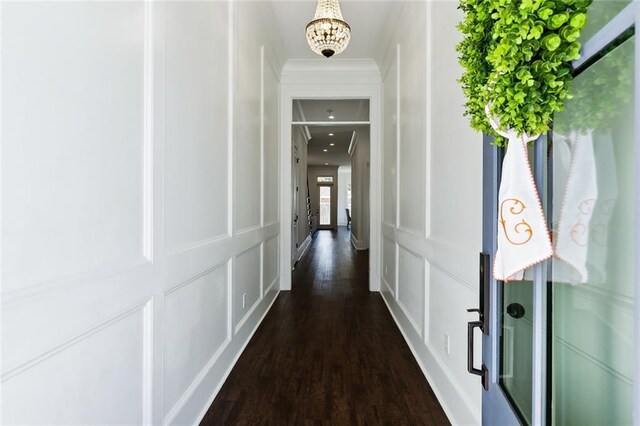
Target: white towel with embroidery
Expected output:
[580,199]
[523,236]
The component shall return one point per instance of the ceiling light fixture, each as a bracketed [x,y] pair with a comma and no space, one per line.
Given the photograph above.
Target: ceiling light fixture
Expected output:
[330,111]
[326,164]
[328,34]
[330,134]
[325,150]
[332,144]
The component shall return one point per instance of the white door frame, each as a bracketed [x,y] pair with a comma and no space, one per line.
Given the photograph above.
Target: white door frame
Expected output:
[331,80]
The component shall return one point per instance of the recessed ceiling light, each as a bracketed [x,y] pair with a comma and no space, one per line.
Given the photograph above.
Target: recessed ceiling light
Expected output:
[332,144]
[326,164]
[331,117]
[325,150]
[330,134]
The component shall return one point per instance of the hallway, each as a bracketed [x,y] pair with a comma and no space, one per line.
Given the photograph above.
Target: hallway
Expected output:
[328,351]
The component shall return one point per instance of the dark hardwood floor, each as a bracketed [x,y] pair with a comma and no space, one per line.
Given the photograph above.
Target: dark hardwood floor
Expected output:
[328,353]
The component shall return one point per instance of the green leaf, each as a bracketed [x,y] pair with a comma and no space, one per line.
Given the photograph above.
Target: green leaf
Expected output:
[578,20]
[551,42]
[545,13]
[556,20]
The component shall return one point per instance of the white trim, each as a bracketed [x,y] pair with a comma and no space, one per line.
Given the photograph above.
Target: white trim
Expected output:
[636,367]
[358,245]
[262,124]
[305,128]
[330,123]
[148,137]
[353,143]
[301,250]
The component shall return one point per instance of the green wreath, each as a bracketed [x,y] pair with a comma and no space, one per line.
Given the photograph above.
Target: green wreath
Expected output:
[517,58]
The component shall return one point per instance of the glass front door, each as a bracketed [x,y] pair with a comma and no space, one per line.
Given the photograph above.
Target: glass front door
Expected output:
[325,206]
[562,347]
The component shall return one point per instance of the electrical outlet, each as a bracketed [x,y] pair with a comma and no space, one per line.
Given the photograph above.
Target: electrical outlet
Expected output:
[447,344]
[244,300]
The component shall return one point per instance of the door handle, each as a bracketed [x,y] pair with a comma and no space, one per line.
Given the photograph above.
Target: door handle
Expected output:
[482,372]
[483,321]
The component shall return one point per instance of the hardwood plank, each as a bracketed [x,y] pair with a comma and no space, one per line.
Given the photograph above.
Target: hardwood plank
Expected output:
[327,353]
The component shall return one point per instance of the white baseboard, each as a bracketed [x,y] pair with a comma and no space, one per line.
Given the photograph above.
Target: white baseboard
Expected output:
[359,245]
[297,255]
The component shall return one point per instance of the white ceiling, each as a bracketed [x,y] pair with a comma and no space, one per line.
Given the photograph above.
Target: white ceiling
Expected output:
[365,17]
[343,110]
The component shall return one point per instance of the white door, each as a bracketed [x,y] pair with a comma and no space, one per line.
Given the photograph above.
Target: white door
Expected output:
[325,208]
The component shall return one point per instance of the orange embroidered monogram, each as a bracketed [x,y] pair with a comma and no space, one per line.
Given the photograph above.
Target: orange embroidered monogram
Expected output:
[516,209]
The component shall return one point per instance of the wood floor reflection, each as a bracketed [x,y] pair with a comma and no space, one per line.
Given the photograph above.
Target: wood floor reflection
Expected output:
[328,352]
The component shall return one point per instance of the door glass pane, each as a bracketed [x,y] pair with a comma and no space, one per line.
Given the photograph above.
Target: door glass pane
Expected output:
[593,231]
[517,345]
[600,12]
[325,205]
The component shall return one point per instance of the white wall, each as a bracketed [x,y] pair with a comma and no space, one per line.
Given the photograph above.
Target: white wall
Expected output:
[431,201]
[139,205]
[360,182]
[344,179]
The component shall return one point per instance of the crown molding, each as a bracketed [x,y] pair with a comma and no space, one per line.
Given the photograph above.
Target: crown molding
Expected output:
[323,71]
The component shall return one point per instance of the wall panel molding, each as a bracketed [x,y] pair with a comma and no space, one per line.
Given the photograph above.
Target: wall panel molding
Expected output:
[70,342]
[12,298]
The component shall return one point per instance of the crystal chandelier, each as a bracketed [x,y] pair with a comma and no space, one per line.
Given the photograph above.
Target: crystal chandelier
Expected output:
[328,34]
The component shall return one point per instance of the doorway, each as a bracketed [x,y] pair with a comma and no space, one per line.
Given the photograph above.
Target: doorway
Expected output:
[330,139]
[368,96]
[324,201]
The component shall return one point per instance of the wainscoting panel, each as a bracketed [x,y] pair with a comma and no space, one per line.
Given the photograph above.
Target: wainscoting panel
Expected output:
[71,175]
[247,285]
[389,260]
[248,78]
[112,357]
[411,287]
[270,262]
[196,115]
[195,330]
